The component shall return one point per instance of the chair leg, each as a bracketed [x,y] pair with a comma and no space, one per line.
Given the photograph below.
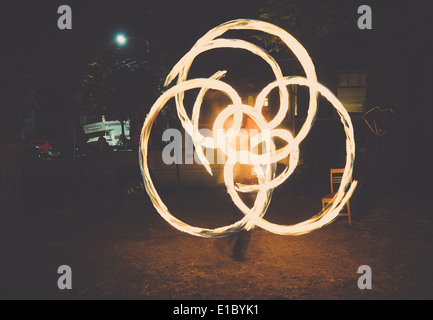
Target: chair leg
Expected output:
[345,214]
[348,213]
[348,210]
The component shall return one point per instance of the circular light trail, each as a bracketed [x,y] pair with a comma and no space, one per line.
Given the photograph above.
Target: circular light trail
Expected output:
[264,164]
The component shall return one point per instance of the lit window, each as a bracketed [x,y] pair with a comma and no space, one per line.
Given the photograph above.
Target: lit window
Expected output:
[351,90]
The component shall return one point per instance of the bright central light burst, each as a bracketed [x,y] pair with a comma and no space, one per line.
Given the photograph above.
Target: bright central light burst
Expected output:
[264,164]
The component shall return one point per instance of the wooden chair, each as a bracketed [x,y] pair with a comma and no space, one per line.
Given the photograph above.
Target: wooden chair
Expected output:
[336,176]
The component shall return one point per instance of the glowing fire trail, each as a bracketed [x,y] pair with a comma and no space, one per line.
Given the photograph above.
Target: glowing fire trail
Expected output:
[264,164]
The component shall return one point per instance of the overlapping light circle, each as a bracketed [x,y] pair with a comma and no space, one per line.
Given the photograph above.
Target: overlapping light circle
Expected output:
[264,163]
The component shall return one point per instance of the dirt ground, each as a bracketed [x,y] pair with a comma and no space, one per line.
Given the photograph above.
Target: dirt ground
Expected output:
[120,253]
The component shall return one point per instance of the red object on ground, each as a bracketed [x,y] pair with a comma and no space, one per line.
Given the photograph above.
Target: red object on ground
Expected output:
[44,145]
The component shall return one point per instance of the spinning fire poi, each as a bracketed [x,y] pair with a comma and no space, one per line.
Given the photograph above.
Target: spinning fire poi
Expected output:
[263,164]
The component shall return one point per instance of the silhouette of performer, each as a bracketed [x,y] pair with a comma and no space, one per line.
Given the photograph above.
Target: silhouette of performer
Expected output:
[243,173]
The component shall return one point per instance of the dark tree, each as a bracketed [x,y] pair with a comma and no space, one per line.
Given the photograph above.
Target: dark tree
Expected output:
[312,22]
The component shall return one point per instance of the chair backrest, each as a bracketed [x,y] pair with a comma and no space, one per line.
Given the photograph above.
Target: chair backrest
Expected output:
[336,176]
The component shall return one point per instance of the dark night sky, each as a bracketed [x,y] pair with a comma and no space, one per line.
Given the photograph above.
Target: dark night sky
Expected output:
[31,40]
